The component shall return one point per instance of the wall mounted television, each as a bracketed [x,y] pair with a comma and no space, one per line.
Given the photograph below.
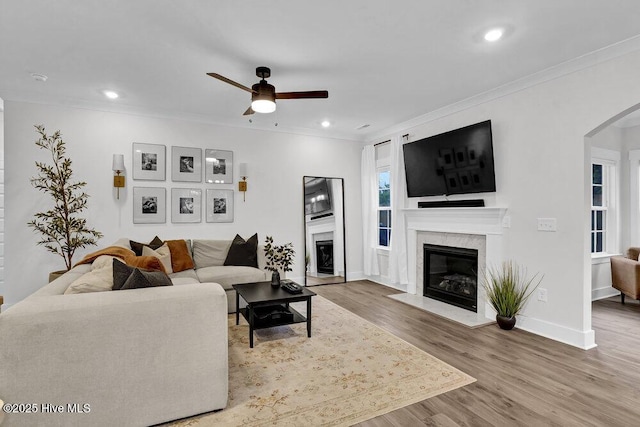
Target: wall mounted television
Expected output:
[455,162]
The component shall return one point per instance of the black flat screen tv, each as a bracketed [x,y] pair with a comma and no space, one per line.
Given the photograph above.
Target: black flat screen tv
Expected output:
[455,162]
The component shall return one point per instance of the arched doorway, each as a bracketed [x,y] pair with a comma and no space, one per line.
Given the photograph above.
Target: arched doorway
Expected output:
[612,200]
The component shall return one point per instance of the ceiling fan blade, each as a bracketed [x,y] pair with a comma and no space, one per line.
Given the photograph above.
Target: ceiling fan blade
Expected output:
[303,95]
[248,112]
[231,82]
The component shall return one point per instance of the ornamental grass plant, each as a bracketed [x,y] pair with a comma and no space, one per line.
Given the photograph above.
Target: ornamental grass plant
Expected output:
[508,288]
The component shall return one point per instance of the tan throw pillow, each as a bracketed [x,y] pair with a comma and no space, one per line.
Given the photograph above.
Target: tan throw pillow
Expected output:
[180,257]
[99,279]
[162,253]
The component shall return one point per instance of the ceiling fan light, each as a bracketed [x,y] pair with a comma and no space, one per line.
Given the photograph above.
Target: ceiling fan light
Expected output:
[263,106]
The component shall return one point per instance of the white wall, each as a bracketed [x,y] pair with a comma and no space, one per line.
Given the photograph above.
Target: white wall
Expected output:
[541,171]
[274,201]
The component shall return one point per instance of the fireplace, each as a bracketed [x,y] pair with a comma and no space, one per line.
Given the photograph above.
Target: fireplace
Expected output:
[324,256]
[450,275]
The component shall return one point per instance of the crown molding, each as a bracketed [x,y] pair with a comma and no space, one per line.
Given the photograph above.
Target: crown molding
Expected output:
[565,68]
[171,115]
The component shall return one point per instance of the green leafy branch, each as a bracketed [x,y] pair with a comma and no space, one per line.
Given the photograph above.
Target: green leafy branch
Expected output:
[63,232]
[278,257]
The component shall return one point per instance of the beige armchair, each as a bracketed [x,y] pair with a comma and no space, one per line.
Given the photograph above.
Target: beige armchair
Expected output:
[625,274]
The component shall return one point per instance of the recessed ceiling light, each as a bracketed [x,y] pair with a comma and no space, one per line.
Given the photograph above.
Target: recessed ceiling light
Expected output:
[110,94]
[326,123]
[494,34]
[39,77]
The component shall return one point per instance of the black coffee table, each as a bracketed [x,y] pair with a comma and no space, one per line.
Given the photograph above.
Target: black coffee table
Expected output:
[262,297]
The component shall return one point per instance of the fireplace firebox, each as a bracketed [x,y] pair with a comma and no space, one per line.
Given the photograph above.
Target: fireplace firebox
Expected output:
[324,256]
[450,275]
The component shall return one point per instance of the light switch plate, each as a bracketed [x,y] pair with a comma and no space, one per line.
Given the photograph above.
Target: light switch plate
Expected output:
[547,224]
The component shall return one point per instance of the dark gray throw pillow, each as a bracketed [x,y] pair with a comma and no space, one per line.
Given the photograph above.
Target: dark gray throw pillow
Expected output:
[243,253]
[137,246]
[127,277]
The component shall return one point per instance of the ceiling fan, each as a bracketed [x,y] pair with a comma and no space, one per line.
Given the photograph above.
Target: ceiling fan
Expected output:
[264,95]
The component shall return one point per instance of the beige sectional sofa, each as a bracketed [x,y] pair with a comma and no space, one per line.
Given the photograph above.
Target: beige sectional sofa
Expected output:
[209,257]
[135,357]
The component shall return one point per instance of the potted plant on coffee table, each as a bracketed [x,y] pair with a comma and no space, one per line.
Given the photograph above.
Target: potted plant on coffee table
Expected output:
[62,230]
[508,289]
[279,258]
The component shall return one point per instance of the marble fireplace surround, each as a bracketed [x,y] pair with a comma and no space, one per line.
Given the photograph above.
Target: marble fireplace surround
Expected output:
[477,228]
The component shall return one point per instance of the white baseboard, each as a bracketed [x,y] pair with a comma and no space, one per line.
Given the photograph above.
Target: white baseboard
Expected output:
[581,339]
[355,275]
[602,293]
[382,280]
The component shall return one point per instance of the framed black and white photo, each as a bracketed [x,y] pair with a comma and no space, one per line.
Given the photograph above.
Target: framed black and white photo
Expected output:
[219,205]
[218,166]
[186,205]
[186,164]
[149,205]
[149,162]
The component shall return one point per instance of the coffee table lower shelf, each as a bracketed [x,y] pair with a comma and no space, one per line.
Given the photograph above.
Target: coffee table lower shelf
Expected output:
[263,324]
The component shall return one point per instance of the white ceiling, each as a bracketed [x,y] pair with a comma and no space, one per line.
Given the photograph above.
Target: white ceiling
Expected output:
[382,62]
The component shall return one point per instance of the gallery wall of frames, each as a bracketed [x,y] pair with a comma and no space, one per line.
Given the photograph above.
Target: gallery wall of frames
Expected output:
[185,201]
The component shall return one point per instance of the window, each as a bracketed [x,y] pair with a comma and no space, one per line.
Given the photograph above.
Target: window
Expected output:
[604,201]
[598,210]
[384,207]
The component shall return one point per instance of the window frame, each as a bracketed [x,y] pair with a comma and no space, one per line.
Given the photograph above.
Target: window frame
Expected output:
[379,227]
[610,209]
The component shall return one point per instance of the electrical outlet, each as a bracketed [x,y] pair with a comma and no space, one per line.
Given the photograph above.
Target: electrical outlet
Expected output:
[547,224]
[506,221]
[542,294]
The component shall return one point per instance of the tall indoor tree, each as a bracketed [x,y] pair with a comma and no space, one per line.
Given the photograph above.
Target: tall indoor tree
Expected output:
[62,230]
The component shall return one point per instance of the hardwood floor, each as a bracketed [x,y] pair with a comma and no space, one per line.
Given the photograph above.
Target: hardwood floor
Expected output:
[522,379]
[323,280]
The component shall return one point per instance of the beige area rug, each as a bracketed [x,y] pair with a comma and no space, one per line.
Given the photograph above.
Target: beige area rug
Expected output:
[348,371]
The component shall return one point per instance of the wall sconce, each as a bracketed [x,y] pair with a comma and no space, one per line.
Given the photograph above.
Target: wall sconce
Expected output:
[242,185]
[118,167]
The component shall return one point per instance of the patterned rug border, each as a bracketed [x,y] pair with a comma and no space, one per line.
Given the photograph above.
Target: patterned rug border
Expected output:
[384,396]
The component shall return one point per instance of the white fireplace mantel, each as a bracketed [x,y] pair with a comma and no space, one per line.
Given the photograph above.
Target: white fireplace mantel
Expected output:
[478,220]
[454,225]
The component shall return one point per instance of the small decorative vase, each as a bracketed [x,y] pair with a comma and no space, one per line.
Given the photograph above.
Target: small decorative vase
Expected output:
[275,279]
[506,323]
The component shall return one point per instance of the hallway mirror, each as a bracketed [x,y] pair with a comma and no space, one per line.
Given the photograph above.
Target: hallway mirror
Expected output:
[324,227]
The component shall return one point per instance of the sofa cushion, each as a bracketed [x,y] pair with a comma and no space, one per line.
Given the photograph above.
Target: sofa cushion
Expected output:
[162,253]
[180,255]
[99,279]
[243,253]
[230,275]
[137,246]
[209,253]
[185,277]
[127,277]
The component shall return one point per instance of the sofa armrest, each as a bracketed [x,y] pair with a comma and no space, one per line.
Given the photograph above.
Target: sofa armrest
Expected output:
[625,276]
[137,357]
